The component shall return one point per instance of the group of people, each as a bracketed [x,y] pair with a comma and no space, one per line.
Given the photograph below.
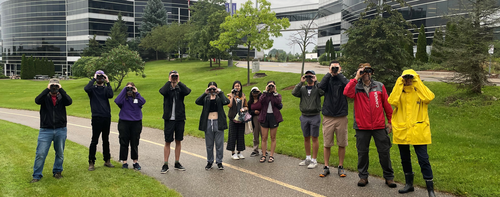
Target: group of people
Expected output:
[409,121]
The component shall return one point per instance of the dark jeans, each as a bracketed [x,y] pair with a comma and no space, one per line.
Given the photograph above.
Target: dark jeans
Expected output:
[130,133]
[100,125]
[423,159]
[383,143]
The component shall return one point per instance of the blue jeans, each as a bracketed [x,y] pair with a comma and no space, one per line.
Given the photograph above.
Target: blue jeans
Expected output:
[45,138]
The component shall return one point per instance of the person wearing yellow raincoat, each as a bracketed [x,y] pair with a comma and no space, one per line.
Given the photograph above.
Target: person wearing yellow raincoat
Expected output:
[410,123]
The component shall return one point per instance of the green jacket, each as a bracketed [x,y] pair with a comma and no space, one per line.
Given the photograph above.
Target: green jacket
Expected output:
[310,104]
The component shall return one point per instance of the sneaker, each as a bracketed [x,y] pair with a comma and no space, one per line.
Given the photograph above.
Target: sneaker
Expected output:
[305,162]
[235,156]
[164,169]
[125,166]
[254,154]
[209,166]
[240,156]
[58,175]
[342,172]
[326,172]
[312,165]
[34,180]
[136,166]
[178,166]
[220,167]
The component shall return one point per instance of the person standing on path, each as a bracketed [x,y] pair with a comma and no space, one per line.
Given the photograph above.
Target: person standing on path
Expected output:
[310,106]
[370,103]
[130,103]
[411,126]
[270,118]
[174,116]
[53,101]
[213,122]
[99,95]
[237,105]
[254,107]
[335,110]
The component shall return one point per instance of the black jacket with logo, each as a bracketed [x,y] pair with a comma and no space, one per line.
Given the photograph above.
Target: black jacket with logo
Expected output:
[51,116]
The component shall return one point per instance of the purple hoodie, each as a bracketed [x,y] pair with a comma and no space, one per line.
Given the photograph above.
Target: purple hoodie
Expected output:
[130,111]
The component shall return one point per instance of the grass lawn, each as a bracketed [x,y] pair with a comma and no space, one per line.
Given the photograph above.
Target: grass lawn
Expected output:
[17,151]
[464,154]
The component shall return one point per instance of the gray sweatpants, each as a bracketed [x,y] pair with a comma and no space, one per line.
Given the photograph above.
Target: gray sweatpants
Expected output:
[213,134]
[383,144]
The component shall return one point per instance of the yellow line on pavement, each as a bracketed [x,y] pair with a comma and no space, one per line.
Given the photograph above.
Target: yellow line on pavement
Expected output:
[202,157]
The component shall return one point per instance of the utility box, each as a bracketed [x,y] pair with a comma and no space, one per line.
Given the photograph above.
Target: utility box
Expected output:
[255,66]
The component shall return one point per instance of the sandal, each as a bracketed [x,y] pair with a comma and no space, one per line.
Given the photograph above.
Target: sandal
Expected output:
[262,159]
[271,159]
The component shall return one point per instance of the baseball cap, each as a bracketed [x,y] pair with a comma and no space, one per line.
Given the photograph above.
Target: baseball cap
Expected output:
[255,88]
[311,71]
[173,71]
[54,81]
[99,72]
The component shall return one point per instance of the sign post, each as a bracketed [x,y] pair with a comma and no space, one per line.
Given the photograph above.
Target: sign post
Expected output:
[490,51]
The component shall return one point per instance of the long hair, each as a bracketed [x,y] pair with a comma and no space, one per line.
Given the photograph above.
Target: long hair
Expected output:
[251,100]
[240,93]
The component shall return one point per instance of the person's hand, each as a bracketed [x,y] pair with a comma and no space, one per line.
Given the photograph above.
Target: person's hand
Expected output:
[400,81]
[217,90]
[389,128]
[206,91]
[303,79]
[358,75]
[106,77]
[95,76]
[135,89]
[257,112]
[59,85]
[314,78]
[48,86]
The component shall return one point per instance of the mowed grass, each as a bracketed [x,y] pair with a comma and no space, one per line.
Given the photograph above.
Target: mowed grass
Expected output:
[17,151]
[466,138]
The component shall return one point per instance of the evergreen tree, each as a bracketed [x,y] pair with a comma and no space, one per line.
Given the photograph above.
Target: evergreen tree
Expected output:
[118,35]
[327,50]
[24,68]
[52,68]
[154,15]
[409,45]
[437,44]
[93,49]
[421,46]
[31,67]
[332,50]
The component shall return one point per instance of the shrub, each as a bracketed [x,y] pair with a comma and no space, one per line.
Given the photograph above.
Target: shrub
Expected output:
[322,57]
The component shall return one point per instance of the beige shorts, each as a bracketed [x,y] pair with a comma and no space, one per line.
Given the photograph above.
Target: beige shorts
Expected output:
[335,126]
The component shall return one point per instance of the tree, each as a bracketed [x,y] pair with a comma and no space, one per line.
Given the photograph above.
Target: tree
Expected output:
[79,67]
[179,33]
[332,50]
[156,40]
[315,50]
[421,46]
[119,62]
[303,37]
[437,45]
[379,41]
[118,34]
[327,49]
[24,68]
[154,15]
[93,48]
[251,27]
[409,45]
[467,41]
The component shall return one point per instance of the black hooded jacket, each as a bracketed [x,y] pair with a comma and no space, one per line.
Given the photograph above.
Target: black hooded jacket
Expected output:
[51,116]
[335,103]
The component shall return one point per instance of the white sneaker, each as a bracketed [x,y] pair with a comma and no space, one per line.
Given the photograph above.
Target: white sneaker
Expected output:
[312,165]
[305,162]
[235,156]
[240,156]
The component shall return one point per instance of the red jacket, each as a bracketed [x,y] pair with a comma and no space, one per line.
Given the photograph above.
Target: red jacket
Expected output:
[369,108]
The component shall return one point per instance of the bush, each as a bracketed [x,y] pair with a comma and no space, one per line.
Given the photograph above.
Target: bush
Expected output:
[325,63]
[322,57]
[236,58]
[419,66]
[3,76]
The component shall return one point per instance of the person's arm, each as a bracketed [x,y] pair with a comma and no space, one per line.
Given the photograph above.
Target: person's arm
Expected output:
[141,100]
[41,97]
[184,89]
[65,99]
[350,88]
[395,96]
[88,87]
[320,91]
[245,104]
[230,97]
[325,81]
[164,90]
[296,91]
[277,101]
[200,100]
[343,79]
[423,92]
[121,97]
[225,100]
[109,90]
[387,106]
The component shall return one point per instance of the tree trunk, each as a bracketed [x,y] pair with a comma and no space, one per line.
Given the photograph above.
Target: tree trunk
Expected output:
[210,62]
[156,55]
[248,65]
[303,62]
[180,56]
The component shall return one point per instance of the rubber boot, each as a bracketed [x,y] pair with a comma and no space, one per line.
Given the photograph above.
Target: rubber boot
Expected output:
[430,187]
[409,183]
[91,166]
[108,164]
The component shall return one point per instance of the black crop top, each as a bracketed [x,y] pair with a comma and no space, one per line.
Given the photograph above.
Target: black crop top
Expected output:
[213,106]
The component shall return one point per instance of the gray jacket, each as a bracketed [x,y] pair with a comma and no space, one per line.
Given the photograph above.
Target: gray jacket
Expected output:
[310,104]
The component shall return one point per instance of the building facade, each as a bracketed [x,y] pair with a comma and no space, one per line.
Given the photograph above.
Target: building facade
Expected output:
[59,30]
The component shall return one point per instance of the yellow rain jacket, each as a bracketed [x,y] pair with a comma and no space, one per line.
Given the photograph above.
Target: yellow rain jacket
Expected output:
[410,119]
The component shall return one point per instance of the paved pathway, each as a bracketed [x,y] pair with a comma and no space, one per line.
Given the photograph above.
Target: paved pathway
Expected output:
[245,177]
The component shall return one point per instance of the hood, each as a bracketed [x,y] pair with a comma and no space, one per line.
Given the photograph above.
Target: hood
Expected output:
[409,72]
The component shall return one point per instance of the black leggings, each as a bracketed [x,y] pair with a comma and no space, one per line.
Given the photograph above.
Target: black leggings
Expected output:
[130,133]
[423,159]
[236,136]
